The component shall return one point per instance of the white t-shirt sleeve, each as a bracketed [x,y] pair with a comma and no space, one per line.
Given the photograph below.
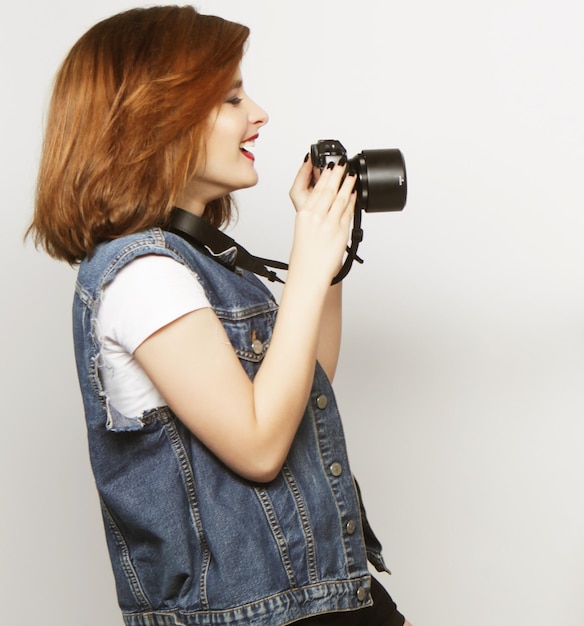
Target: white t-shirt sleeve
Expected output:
[147,294]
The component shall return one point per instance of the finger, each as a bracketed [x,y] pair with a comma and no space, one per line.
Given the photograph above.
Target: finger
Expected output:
[302,179]
[350,209]
[346,216]
[349,183]
[327,188]
[332,174]
[345,198]
[300,187]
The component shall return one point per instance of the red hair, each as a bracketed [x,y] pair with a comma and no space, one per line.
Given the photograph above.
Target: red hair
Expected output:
[126,125]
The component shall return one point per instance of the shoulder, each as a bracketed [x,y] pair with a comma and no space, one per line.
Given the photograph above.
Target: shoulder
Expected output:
[111,257]
[153,278]
[147,294]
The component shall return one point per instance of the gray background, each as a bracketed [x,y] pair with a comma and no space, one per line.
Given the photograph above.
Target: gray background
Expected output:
[463,354]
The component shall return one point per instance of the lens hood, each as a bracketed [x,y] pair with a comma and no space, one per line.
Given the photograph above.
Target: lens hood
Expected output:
[381,180]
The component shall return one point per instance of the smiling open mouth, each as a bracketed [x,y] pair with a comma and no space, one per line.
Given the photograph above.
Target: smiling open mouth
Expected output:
[246,147]
[247,154]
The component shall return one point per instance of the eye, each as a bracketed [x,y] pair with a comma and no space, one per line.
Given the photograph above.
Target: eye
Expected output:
[234,100]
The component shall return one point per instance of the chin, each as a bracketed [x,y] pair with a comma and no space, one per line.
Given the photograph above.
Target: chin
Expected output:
[250,182]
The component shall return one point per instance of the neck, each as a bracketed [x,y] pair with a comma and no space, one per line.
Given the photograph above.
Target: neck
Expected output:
[191,204]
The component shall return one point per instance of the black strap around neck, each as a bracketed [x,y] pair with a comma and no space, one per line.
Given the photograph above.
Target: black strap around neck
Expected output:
[196,230]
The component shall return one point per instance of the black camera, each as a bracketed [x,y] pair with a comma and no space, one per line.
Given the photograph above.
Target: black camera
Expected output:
[381,174]
[381,185]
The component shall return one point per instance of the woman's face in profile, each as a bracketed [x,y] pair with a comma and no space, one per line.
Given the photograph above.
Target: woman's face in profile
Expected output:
[232,130]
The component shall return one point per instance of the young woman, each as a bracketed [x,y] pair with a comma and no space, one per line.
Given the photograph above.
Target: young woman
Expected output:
[214,436]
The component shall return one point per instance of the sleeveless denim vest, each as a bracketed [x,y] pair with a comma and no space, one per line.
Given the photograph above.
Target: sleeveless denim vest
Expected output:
[190,541]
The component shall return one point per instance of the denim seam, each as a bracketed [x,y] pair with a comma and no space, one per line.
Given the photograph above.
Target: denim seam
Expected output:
[125,559]
[306,526]
[278,534]
[191,489]
[260,611]
[121,259]
[237,315]
[332,482]
[84,295]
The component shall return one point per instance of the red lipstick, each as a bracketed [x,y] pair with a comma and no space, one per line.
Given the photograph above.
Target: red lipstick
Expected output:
[246,153]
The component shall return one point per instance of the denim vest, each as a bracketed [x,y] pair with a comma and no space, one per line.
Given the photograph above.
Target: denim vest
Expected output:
[190,541]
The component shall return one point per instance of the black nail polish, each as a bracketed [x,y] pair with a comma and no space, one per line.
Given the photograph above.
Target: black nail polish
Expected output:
[306,157]
[330,165]
[342,160]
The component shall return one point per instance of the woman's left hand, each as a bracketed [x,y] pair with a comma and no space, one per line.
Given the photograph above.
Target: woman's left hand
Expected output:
[302,186]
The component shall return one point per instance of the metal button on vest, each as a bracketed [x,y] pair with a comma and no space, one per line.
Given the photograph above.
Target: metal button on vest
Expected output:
[257,346]
[336,469]
[322,401]
[361,594]
[351,527]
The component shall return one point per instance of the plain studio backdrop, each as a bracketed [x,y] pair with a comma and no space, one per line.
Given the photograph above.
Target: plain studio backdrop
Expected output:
[461,376]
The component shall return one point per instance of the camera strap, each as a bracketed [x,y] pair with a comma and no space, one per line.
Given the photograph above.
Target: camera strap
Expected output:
[196,230]
[356,239]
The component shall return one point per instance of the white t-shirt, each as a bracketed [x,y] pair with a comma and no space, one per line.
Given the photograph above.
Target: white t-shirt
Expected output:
[146,295]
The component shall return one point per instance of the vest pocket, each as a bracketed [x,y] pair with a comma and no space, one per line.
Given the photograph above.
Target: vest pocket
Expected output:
[250,335]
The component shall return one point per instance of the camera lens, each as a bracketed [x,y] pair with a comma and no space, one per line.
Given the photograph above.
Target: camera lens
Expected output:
[381,180]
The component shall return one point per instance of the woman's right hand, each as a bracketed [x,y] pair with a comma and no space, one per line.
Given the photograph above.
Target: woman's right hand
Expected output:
[324,213]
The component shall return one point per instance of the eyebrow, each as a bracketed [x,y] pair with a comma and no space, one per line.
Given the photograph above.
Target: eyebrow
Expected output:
[237,84]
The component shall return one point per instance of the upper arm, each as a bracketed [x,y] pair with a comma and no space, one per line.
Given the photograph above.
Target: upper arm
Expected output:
[194,366]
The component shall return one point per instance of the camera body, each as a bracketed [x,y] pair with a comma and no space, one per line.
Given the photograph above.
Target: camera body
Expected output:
[381,174]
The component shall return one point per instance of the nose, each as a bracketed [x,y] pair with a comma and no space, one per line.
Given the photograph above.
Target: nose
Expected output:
[257,115]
